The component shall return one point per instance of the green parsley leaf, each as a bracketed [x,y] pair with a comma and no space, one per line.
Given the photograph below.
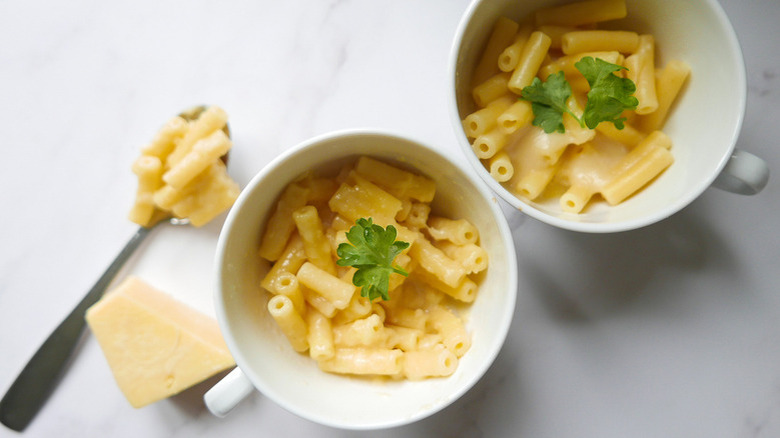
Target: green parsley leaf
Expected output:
[372,252]
[608,97]
[548,102]
[609,94]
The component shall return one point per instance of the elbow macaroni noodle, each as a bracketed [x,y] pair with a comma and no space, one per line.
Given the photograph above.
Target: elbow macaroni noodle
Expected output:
[415,334]
[579,165]
[181,173]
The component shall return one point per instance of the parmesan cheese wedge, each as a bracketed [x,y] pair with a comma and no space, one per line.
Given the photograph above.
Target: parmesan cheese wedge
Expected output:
[155,345]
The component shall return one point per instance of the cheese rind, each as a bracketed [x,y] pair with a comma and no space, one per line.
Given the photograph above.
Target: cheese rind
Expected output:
[155,345]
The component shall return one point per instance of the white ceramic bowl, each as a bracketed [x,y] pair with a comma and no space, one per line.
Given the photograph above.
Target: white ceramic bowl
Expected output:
[704,125]
[293,380]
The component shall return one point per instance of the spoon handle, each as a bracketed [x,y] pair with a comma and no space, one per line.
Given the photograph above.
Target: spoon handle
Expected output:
[34,384]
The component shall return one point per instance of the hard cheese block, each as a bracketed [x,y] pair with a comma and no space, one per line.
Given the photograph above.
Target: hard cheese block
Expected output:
[155,345]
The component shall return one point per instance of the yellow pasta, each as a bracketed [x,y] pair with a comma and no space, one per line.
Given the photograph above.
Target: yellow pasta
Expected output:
[364,332]
[437,362]
[629,135]
[536,155]
[641,70]
[378,310]
[627,170]
[319,335]
[165,140]
[315,244]
[437,263]
[403,338]
[335,290]
[290,260]
[398,182]
[407,317]
[580,13]
[458,231]
[358,307]
[365,199]
[503,33]
[575,199]
[451,328]
[582,165]
[511,55]
[589,165]
[556,33]
[465,290]
[211,193]
[472,257]
[320,310]
[318,302]
[282,310]
[566,63]
[500,167]
[533,183]
[533,54]
[516,116]
[287,285]
[204,152]
[636,176]
[483,120]
[491,89]
[668,83]
[599,40]
[191,184]
[490,143]
[405,262]
[579,85]
[419,294]
[166,197]
[362,361]
[656,140]
[212,119]
[429,341]
[551,146]
[319,190]
[418,216]
[281,225]
[149,171]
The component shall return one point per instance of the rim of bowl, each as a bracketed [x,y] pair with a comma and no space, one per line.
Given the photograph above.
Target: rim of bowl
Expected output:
[511,284]
[525,207]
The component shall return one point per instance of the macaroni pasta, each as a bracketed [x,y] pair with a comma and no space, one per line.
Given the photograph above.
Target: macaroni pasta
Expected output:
[181,173]
[415,334]
[580,165]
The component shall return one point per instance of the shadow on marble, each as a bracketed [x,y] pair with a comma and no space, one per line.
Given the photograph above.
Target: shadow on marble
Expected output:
[580,276]
[494,397]
[190,401]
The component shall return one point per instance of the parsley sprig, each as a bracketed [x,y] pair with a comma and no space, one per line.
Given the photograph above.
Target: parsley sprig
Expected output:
[608,97]
[548,102]
[371,249]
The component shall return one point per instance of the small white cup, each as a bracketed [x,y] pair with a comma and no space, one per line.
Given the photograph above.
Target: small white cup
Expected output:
[264,357]
[704,124]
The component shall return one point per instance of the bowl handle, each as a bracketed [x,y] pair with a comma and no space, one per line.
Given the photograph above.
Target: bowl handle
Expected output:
[745,174]
[227,393]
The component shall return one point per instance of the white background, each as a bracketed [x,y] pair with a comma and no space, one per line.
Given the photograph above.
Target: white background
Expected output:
[672,330]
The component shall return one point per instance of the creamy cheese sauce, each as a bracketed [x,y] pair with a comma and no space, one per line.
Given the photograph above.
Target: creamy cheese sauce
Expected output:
[590,164]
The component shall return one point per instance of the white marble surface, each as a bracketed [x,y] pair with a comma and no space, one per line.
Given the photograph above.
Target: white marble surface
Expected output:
[672,330]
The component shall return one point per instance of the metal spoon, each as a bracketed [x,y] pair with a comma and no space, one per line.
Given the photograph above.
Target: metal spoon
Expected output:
[32,387]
